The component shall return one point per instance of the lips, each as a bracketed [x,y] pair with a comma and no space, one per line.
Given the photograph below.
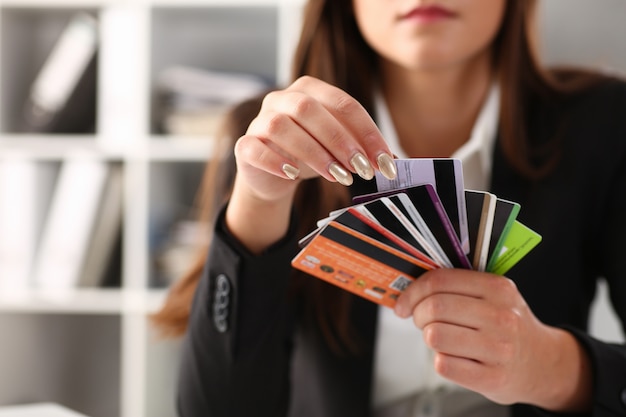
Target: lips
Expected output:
[429,13]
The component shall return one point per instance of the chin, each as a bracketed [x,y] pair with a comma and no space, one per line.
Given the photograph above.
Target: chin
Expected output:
[425,57]
[426,63]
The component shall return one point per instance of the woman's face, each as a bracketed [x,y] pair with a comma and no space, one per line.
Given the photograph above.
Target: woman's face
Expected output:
[429,34]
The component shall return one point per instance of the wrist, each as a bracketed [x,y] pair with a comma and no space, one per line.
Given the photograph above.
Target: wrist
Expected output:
[255,221]
[566,379]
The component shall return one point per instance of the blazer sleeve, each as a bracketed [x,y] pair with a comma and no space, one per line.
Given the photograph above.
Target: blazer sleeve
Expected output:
[608,360]
[609,373]
[235,356]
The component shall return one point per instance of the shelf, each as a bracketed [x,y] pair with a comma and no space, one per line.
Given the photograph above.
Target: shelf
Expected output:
[54,4]
[53,147]
[146,3]
[83,301]
[220,3]
[132,371]
[157,148]
[169,148]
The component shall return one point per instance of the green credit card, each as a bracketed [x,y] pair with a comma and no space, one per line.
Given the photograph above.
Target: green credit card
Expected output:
[518,243]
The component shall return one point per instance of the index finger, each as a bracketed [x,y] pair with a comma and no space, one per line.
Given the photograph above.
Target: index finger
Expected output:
[452,281]
[354,117]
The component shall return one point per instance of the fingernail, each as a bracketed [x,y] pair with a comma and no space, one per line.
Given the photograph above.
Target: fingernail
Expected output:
[290,171]
[362,166]
[341,175]
[399,310]
[387,166]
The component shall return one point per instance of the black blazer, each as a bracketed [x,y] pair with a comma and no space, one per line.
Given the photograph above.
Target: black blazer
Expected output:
[245,356]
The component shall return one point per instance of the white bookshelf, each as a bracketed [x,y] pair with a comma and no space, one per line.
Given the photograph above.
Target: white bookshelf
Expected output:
[92,349]
[83,301]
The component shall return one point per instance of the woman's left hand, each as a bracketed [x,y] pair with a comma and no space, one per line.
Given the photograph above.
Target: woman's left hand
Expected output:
[486,338]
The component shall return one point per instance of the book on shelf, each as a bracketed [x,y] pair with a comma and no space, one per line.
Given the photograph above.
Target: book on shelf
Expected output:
[25,188]
[70,223]
[106,232]
[192,101]
[62,98]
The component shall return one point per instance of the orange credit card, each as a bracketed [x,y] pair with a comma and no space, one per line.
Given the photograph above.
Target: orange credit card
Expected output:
[359,263]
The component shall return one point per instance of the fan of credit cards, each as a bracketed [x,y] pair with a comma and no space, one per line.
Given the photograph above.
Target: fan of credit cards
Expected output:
[422,220]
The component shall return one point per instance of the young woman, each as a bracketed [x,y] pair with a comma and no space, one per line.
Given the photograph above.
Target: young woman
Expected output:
[442,78]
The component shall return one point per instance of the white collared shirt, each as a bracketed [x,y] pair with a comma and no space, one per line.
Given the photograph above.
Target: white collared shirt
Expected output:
[403,365]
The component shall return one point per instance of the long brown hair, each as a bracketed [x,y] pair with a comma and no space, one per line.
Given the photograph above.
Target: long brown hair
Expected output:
[332,49]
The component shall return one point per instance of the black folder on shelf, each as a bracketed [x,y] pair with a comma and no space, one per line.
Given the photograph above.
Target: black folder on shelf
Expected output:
[62,98]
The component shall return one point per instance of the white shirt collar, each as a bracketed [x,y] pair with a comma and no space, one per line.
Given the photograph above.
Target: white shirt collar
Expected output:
[476,153]
[398,345]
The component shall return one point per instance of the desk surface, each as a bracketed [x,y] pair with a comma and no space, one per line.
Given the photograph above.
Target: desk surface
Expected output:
[38,410]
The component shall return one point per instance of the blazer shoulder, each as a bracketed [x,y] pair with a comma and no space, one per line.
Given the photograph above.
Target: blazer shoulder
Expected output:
[596,92]
[583,101]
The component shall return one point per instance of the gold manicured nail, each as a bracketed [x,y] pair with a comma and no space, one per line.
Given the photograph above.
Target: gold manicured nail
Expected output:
[387,166]
[340,173]
[290,171]
[362,166]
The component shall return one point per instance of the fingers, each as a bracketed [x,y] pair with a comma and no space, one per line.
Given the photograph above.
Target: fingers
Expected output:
[284,132]
[490,376]
[471,374]
[466,327]
[485,337]
[355,120]
[260,155]
[315,124]
[450,308]
[484,347]
[349,112]
[456,281]
[476,323]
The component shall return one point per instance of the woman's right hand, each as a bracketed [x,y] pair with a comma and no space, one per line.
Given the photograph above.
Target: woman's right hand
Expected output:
[309,129]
